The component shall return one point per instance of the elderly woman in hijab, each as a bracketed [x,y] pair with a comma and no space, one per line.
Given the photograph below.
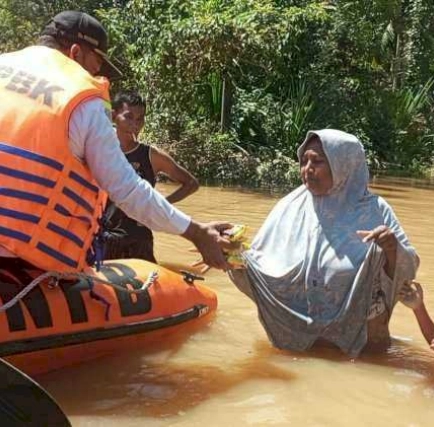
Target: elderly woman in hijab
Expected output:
[329,261]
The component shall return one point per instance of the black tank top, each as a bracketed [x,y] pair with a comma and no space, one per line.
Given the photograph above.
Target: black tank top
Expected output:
[140,161]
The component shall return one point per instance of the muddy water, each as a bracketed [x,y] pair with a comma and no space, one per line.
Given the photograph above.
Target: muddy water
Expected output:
[227,374]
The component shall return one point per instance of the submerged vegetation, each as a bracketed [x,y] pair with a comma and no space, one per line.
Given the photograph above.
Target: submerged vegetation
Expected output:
[234,85]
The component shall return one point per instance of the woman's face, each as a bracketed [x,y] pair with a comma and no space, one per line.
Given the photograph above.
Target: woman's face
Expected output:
[315,169]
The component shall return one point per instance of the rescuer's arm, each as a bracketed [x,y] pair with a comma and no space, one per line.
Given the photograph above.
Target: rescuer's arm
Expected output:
[94,141]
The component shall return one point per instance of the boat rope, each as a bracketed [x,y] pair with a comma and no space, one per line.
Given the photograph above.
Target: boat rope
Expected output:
[54,277]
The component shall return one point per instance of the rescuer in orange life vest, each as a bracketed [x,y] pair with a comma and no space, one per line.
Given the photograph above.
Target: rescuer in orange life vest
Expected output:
[59,156]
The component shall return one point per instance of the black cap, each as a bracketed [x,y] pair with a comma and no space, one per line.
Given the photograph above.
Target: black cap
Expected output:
[79,27]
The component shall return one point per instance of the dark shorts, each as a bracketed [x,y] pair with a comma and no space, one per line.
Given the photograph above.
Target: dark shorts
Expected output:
[122,247]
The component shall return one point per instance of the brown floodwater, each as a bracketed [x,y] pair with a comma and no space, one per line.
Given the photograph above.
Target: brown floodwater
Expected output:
[226,373]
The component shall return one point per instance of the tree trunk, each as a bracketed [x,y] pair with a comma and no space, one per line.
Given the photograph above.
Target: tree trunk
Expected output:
[227,94]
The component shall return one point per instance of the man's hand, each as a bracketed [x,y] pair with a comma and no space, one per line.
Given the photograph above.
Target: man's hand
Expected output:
[411,295]
[209,239]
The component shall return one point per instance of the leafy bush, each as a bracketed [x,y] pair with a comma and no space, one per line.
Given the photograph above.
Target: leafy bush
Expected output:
[257,74]
[217,158]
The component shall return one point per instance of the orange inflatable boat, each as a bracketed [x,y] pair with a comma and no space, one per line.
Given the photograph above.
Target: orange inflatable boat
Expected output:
[129,303]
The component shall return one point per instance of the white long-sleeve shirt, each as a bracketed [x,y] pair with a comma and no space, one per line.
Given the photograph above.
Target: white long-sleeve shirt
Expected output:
[93,141]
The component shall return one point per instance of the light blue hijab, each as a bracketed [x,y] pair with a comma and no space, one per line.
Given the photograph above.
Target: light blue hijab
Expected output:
[311,275]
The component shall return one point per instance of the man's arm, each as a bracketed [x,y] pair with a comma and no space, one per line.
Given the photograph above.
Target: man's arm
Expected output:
[94,141]
[162,162]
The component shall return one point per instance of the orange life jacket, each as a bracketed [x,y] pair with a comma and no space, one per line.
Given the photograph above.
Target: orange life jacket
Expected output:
[49,203]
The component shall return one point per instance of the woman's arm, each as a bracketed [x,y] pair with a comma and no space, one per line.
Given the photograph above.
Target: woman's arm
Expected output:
[401,260]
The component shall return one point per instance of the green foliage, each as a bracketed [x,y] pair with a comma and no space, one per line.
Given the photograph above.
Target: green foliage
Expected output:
[216,158]
[264,119]
[268,69]
[187,49]
[374,78]
[21,21]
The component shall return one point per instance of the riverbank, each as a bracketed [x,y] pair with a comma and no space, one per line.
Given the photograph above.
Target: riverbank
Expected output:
[221,162]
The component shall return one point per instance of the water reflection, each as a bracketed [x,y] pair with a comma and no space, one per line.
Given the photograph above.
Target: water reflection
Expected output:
[140,387]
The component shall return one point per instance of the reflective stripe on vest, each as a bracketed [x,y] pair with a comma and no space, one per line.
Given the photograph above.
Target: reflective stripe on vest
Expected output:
[49,202]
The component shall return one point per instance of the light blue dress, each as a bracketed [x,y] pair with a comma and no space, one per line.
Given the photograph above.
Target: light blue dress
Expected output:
[309,272]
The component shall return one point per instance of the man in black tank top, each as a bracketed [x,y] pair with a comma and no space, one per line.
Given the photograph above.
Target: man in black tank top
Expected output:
[128,238]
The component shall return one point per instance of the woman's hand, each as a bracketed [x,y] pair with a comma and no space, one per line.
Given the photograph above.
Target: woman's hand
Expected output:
[383,236]
[411,295]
